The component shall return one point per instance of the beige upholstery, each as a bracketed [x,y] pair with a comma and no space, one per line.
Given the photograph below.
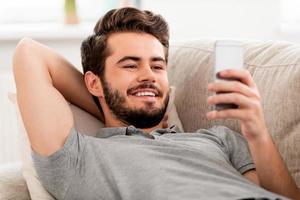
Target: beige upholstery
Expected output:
[12,184]
[275,67]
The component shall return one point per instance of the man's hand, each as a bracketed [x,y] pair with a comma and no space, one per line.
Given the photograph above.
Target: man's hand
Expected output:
[271,171]
[245,95]
[165,121]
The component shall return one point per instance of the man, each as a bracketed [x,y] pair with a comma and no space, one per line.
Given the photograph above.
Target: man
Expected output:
[124,64]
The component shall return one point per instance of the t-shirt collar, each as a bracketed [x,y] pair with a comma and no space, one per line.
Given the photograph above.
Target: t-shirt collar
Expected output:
[131,130]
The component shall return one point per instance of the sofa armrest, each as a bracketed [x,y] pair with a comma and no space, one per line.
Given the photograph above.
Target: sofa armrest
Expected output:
[12,184]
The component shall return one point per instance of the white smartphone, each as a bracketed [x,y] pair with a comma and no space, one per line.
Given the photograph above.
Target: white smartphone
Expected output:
[229,54]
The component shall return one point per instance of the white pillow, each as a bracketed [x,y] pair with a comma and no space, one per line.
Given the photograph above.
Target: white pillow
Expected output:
[84,123]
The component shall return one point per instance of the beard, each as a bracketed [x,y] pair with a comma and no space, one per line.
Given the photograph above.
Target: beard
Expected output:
[139,117]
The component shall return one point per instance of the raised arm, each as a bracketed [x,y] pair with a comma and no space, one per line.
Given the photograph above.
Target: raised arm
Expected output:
[44,79]
[271,171]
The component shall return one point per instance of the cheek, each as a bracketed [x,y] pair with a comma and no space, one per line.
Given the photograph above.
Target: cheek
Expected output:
[121,82]
[165,84]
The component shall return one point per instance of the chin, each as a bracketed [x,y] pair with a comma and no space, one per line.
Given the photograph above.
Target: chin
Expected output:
[148,106]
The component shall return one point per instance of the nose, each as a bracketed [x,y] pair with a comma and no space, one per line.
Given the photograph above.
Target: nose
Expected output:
[146,74]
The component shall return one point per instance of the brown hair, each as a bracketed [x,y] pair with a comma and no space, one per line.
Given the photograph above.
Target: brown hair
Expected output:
[94,50]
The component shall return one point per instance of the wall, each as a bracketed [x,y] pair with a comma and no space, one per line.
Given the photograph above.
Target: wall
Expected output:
[255,19]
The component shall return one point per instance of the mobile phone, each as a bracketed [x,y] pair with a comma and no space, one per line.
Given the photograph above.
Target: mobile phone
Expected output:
[229,54]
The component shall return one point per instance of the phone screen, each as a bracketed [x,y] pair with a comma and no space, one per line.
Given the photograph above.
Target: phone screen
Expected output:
[228,55]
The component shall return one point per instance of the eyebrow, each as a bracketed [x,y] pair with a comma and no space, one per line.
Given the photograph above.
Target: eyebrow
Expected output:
[135,58]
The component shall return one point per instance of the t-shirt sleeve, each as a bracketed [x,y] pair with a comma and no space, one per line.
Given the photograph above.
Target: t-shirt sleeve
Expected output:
[56,171]
[237,149]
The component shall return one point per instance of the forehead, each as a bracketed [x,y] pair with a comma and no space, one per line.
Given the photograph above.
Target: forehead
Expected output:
[134,44]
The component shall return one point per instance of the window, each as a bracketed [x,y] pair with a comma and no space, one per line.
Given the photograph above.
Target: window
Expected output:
[37,11]
[290,11]
[44,19]
[30,11]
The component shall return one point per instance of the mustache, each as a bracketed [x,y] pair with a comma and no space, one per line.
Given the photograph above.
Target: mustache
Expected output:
[145,86]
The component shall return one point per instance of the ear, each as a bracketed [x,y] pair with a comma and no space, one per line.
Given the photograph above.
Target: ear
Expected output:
[93,84]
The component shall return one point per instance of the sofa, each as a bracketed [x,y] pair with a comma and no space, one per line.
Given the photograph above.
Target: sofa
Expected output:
[275,67]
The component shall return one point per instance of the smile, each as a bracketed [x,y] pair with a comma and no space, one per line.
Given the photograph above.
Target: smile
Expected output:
[140,94]
[145,92]
[145,95]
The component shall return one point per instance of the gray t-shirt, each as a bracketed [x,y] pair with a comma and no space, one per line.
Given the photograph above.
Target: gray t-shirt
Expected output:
[125,163]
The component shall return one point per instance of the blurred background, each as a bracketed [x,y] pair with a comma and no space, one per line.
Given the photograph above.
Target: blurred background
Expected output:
[63,24]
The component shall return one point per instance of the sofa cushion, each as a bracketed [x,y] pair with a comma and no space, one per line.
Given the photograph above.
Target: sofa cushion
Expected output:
[275,67]
[12,184]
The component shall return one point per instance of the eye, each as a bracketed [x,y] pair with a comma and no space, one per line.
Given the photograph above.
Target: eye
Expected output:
[130,66]
[158,67]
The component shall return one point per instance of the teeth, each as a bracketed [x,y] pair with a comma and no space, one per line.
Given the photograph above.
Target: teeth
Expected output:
[139,94]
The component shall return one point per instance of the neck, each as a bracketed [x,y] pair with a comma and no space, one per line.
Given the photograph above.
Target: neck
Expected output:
[111,121]
[118,123]
[149,130]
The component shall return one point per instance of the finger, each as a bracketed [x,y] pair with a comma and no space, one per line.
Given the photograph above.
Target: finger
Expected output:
[165,121]
[228,98]
[243,75]
[166,117]
[233,86]
[226,114]
[165,125]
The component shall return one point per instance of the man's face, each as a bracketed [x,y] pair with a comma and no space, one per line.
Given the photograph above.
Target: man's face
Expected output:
[135,82]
